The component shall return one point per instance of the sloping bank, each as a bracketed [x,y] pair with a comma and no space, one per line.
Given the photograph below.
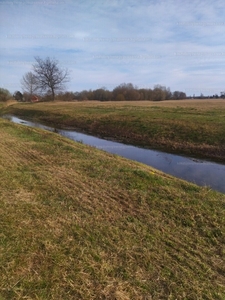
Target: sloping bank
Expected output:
[189,131]
[78,223]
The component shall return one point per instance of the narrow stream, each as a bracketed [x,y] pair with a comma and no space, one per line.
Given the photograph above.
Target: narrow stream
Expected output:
[203,173]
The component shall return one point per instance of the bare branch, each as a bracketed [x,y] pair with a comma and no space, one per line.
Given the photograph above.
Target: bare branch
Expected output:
[29,83]
[49,75]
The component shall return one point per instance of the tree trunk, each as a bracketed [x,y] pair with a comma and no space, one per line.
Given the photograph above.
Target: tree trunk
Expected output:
[53,95]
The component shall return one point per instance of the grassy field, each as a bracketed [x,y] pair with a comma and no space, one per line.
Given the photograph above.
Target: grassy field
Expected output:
[78,223]
[192,127]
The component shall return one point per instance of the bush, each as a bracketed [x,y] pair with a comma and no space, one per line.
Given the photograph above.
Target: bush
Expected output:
[4,95]
[67,96]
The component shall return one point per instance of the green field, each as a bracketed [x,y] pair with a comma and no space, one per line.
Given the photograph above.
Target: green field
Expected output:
[194,128]
[78,223]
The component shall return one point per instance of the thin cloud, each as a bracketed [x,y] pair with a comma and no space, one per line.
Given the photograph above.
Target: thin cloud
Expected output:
[144,42]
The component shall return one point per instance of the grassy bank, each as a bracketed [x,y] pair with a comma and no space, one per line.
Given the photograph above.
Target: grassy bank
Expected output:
[78,223]
[194,128]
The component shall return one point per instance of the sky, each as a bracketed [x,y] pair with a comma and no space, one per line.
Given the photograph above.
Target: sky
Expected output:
[179,44]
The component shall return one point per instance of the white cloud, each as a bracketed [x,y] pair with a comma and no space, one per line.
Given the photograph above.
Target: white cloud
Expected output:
[174,43]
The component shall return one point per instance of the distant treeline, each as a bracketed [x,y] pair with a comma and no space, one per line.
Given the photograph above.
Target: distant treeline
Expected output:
[124,92]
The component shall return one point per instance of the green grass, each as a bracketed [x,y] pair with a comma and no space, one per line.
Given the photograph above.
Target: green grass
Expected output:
[195,129]
[78,223]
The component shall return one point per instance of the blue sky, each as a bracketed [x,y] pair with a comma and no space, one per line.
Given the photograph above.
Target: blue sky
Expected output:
[176,43]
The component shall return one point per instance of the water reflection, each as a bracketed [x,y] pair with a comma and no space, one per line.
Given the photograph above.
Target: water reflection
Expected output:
[193,170]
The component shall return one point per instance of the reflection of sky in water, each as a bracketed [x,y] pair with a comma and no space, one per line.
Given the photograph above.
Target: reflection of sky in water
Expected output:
[197,171]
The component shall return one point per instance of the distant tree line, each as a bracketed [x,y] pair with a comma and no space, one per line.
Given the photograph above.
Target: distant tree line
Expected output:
[46,82]
[124,92]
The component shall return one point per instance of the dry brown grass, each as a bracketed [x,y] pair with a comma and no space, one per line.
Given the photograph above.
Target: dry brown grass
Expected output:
[192,127]
[77,223]
[203,104]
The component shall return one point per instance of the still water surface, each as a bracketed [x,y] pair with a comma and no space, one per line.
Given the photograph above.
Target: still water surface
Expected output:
[203,173]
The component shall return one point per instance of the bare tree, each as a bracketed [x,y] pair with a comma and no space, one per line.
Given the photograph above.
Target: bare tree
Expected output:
[49,75]
[29,83]
[177,95]
[159,93]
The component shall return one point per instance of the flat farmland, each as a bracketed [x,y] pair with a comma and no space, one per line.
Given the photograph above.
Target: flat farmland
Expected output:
[191,127]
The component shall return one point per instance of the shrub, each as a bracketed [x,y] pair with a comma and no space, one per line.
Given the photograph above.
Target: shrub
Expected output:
[4,95]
